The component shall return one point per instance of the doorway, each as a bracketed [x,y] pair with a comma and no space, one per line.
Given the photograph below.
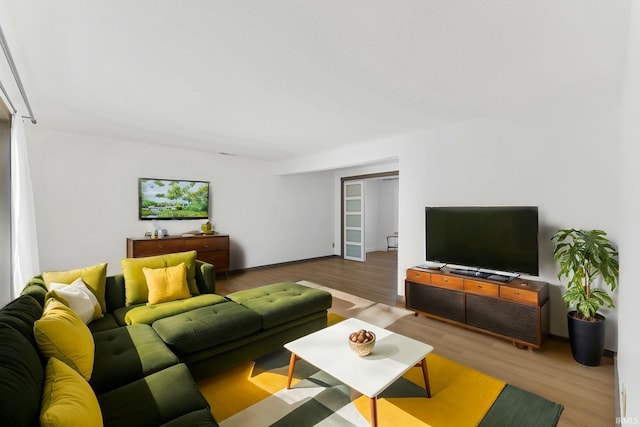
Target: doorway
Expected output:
[378,217]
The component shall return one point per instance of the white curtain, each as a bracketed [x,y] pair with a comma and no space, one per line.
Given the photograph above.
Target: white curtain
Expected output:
[24,241]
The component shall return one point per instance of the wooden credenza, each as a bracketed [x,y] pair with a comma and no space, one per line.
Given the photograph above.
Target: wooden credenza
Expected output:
[517,311]
[212,248]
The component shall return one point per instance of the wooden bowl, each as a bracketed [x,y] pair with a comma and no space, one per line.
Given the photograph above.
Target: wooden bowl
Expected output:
[363,349]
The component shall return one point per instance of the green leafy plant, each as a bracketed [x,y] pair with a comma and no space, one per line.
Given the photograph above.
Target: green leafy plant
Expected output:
[583,256]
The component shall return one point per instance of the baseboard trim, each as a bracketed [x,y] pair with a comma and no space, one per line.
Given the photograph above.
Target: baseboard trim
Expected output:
[281,264]
[558,337]
[607,353]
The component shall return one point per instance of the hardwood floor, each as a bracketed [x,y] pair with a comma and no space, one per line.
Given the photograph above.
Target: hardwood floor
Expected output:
[586,392]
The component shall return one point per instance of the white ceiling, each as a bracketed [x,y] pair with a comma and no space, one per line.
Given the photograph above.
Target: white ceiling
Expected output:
[275,79]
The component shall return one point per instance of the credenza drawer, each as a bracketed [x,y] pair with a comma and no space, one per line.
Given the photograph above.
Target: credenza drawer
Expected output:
[418,276]
[206,243]
[520,295]
[481,288]
[448,282]
[158,247]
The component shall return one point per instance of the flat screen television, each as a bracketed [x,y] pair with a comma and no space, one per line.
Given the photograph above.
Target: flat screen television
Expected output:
[172,199]
[498,238]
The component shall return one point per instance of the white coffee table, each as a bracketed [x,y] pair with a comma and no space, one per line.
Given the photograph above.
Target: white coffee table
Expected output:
[393,355]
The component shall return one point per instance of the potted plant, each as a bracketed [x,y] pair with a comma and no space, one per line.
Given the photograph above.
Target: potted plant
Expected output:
[584,256]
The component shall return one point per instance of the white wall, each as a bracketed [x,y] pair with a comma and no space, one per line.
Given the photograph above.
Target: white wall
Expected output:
[562,158]
[85,190]
[629,292]
[381,212]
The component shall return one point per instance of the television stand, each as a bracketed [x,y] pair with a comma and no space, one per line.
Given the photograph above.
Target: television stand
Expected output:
[516,310]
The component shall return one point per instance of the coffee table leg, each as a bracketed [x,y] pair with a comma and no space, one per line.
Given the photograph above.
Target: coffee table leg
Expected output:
[425,374]
[292,366]
[374,411]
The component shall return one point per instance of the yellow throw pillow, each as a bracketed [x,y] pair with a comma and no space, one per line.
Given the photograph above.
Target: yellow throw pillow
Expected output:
[95,277]
[135,284]
[67,399]
[167,284]
[61,334]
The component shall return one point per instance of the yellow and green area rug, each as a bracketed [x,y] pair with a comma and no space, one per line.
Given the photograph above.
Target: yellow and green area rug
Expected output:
[255,394]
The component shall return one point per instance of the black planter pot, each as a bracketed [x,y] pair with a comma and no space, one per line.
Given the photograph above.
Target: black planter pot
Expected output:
[586,339]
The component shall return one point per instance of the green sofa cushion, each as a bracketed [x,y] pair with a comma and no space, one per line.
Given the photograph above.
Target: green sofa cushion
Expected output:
[217,359]
[127,354]
[20,314]
[150,313]
[207,327]
[154,400]
[282,302]
[21,379]
[103,324]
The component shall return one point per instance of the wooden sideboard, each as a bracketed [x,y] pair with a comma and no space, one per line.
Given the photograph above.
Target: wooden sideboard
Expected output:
[517,311]
[211,248]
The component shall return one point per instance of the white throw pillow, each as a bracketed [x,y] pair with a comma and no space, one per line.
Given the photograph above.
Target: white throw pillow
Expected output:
[78,298]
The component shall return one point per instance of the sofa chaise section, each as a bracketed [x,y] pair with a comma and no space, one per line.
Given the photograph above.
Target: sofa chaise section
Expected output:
[286,311]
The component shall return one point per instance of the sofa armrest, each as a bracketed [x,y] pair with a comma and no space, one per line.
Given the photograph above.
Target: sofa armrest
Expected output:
[36,288]
[205,277]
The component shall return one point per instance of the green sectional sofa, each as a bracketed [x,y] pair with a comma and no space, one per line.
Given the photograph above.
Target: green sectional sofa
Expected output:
[147,355]
[136,379]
